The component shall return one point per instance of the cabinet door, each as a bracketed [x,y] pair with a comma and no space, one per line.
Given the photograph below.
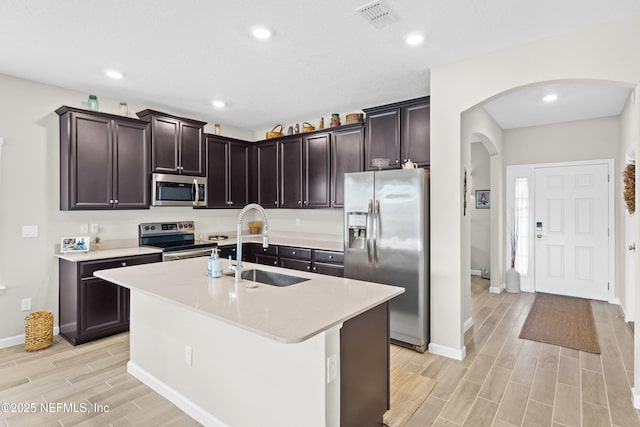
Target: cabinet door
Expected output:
[192,149]
[267,180]
[383,137]
[217,172]
[101,305]
[295,264]
[90,163]
[291,173]
[415,138]
[238,179]
[131,165]
[317,173]
[165,134]
[347,155]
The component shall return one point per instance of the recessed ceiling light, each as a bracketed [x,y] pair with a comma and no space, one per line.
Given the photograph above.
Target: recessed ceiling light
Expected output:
[550,98]
[261,32]
[414,39]
[114,74]
[218,104]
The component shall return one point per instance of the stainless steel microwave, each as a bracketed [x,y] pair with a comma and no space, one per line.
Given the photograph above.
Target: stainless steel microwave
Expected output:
[178,190]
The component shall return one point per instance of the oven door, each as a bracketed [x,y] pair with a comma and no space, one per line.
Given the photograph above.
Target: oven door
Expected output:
[178,190]
[192,253]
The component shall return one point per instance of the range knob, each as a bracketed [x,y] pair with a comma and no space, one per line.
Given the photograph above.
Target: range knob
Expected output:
[146,227]
[153,227]
[190,225]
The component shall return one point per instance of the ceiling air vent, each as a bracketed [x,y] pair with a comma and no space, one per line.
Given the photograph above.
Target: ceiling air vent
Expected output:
[376,14]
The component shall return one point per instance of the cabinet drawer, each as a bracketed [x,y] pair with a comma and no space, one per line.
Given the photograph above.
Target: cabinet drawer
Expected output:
[266,260]
[292,252]
[295,264]
[88,267]
[329,269]
[328,256]
[271,250]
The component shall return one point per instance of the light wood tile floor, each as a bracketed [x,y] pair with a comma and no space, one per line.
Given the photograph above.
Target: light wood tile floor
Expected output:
[503,382]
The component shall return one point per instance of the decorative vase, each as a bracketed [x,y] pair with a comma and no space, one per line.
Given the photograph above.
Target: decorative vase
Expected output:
[512,280]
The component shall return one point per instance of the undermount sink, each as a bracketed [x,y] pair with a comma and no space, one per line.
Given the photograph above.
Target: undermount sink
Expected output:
[270,278]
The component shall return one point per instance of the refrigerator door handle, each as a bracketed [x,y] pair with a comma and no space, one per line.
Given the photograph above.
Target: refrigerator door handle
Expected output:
[369,231]
[376,235]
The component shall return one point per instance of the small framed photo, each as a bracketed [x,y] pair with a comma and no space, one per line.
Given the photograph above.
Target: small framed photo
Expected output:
[74,244]
[483,199]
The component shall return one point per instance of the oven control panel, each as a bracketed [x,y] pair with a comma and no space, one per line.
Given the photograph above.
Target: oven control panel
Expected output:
[160,228]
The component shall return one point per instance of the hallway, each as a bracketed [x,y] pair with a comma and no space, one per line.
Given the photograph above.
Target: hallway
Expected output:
[506,381]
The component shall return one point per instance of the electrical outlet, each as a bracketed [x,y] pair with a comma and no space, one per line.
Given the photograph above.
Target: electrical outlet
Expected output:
[188,355]
[26,304]
[84,228]
[95,228]
[332,368]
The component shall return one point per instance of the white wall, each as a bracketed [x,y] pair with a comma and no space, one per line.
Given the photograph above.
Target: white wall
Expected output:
[29,195]
[602,53]
[480,218]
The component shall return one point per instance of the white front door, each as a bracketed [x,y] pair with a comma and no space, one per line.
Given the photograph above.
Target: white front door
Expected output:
[571,230]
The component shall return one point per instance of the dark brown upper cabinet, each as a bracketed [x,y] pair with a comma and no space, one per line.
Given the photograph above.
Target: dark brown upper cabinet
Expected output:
[227,173]
[347,154]
[177,144]
[267,162]
[104,161]
[316,172]
[398,132]
[305,172]
[290,172]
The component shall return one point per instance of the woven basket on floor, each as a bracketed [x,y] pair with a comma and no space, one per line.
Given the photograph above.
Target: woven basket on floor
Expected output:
[38,331]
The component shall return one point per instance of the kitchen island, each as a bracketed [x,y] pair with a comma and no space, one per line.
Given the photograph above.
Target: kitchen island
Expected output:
[314,353]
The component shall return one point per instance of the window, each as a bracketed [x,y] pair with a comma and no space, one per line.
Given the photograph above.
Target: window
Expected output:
[521,216]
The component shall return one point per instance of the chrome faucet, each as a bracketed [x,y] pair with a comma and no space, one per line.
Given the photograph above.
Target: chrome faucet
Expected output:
[265,237]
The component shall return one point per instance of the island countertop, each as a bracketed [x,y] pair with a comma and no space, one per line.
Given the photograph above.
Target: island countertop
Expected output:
[286,314]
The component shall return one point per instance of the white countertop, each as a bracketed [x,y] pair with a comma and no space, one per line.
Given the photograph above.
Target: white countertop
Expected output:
[315,241]
[95,254]
[287,314]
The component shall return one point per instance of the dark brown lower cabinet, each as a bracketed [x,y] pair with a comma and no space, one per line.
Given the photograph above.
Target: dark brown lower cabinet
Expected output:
[364,368]
[92,308]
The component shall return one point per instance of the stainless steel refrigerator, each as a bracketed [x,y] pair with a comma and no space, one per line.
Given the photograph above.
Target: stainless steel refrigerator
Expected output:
[386,240]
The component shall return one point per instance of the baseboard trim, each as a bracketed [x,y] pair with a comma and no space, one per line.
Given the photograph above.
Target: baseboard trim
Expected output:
[476,272]
[186,405]
[497,289]
[468,324]
[19,339]
[449,352]
[636,397]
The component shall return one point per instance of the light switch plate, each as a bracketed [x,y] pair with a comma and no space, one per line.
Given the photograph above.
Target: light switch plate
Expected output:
[29,231]
[95,228]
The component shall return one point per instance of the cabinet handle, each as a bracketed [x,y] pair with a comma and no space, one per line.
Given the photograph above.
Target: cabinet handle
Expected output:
[111,201]
[275,203]
[116,201]
[275,263]
[294,252]
[124,264]
[264,249]
[306,202]
[397,161]
[230,203]
[330,256]
[315,269]
[299,202]
[308,268]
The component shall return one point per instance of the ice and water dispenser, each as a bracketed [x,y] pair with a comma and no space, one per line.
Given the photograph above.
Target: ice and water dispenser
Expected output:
[357,229]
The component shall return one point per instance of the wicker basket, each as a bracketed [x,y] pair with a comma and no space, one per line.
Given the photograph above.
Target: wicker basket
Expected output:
[255,227]
[273,133]
[355,118]
[38,331]
[307,127]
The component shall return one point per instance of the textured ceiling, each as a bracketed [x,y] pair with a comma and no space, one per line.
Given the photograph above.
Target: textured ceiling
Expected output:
[322,58]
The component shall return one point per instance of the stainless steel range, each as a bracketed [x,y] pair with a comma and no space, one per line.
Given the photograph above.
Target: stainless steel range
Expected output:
[176,239]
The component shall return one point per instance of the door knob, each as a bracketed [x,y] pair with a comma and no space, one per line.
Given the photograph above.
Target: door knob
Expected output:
[539,236]
[632,247]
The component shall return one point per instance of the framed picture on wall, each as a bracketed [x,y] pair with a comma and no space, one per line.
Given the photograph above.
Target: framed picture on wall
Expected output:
[483,199]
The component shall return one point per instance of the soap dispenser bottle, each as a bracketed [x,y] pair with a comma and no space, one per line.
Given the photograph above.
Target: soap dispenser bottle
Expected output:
[215,264]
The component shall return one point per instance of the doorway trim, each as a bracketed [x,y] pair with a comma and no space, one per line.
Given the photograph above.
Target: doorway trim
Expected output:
[527,283]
